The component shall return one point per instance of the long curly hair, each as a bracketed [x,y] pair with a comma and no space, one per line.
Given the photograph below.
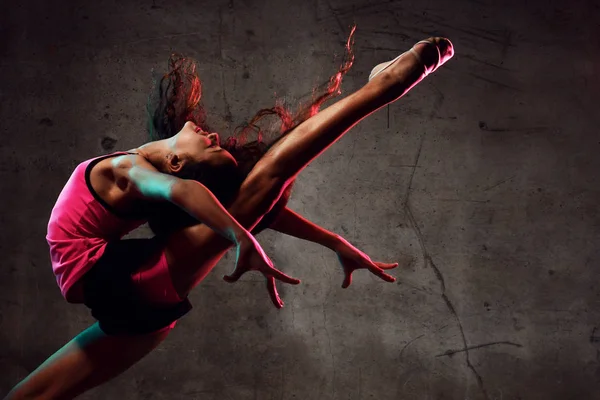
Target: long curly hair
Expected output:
[177,98]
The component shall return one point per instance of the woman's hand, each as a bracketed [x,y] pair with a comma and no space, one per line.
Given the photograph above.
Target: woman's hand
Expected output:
[251,257]
[352,259]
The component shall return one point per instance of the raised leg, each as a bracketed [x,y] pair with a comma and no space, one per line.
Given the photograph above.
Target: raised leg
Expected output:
[311,138]
[194,251]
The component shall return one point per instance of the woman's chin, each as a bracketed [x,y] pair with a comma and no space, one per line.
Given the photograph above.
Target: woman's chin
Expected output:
[222,158]
[227,155]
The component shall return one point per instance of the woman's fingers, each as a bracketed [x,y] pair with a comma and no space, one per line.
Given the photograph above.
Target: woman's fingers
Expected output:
[374,269]
[277,274]
[386,265]
[379,272]
[347,280]
[269,273]
[273,292]
[271,288]
[237,273]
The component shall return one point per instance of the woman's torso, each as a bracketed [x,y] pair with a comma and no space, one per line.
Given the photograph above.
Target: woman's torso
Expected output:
[91,210]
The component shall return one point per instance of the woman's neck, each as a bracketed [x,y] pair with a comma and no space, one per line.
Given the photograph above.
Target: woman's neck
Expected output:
[154,152]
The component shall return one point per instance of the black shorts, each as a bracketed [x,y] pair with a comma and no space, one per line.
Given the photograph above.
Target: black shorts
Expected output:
[110,294]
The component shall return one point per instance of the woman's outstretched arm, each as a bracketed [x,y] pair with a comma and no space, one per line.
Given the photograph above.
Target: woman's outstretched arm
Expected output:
[294,224]
[291,223]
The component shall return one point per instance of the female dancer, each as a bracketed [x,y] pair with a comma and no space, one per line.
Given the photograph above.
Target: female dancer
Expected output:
[188,254]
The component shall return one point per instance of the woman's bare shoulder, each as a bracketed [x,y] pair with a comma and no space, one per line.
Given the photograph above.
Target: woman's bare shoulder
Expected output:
[129,159]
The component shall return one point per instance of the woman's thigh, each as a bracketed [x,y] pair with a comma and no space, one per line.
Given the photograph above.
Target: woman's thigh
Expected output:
[129,290]
[191,254]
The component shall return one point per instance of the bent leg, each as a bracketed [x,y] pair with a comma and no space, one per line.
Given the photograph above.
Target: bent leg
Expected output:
[88,360]
[194,251]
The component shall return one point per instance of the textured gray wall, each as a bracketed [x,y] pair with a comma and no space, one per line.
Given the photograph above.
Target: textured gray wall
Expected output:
[482,182]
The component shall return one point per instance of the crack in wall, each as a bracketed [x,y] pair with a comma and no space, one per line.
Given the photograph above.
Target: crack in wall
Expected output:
[438,273]
[479,346]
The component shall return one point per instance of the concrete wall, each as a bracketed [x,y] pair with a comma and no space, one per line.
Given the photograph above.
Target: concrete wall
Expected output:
[482,183]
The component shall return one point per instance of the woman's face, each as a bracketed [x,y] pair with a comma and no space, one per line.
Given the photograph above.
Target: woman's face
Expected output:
[199,147]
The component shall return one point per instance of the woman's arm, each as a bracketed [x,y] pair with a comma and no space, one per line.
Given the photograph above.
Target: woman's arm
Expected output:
[293,224]
[145,182]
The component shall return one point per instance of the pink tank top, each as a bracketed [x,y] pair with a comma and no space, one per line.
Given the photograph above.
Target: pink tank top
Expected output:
[81,224]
